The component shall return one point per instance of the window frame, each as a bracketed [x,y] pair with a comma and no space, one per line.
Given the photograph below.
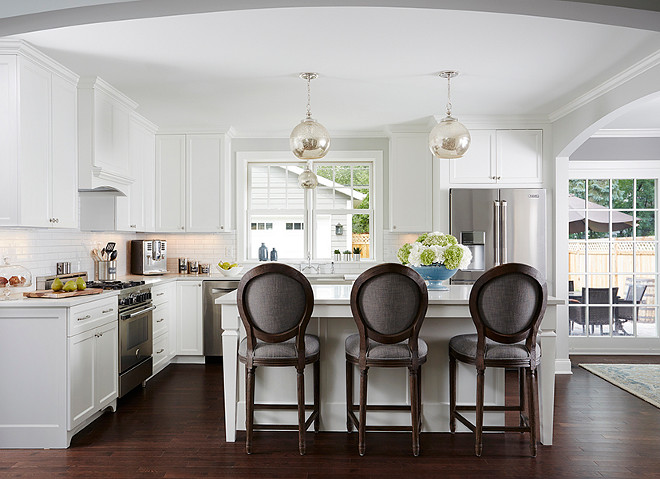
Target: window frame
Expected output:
[373,157]
[586,170]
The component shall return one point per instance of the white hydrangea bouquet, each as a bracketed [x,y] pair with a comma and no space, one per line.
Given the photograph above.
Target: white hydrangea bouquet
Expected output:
[433,249]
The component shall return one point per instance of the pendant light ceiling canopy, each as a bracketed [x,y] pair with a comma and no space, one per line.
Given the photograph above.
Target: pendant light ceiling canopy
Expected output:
[309,140]
[449,139]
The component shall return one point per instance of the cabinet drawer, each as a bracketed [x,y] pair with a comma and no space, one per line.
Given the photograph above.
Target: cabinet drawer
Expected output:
[161,319]
[90,315]
[161,351]
[163,293]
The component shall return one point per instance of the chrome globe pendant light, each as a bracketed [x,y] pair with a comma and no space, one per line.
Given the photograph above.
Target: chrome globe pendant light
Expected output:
[449,138]
[309,140]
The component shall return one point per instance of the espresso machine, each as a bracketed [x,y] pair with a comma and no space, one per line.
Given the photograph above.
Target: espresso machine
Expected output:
[148,257]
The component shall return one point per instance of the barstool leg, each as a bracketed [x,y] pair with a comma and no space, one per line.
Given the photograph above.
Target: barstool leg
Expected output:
[317,395]
[301,411]
[414,409]
[452,394]
[532,401]
[478,430]
[249,407]
[362,423]
[349,396]
[521,395]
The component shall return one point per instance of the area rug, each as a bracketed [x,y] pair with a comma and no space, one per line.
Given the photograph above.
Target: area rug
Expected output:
[642,380]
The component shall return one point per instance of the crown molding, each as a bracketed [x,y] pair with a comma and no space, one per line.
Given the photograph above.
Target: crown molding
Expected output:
[627,133]
[25,49]
[190,130]
[607,86]
[98,83]
[333,134]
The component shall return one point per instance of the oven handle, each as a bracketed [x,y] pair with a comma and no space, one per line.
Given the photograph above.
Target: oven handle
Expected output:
[137,313]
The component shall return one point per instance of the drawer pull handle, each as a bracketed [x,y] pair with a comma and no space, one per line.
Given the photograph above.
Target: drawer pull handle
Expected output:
[107,310]
[161,319]
[84,318]
[158,352]
[159,294]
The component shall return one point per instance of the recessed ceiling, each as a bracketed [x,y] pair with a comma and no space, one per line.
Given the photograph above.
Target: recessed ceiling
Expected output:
[377,66]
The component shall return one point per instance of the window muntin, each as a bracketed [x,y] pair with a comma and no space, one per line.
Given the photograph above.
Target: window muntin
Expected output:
[615,247]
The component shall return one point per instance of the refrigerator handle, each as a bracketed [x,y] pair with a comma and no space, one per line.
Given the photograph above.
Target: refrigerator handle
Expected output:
[496,236]
[503,230]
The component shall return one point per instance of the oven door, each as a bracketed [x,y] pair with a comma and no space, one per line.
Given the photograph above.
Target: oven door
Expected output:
[135,328]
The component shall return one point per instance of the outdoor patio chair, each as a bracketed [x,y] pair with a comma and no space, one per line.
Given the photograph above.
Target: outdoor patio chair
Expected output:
[598,315]
[625,313]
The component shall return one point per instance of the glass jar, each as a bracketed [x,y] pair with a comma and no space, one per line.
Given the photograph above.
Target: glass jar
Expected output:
[14,280]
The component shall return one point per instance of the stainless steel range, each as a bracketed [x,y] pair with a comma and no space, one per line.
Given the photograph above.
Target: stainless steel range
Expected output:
[135,337]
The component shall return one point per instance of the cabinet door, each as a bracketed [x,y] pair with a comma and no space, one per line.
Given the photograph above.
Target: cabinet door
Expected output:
[204,183]
[189,337]
[520,156]
[64,160]
[149,181]
[411,183]
[170,181]
[81,377]
[34,150]
[130,208]
[477,166]
[161,352]
[105,365]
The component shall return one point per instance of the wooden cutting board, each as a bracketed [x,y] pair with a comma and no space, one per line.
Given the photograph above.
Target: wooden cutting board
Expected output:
[49,293]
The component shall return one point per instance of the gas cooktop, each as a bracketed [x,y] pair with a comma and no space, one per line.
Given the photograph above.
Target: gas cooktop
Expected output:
[114,284]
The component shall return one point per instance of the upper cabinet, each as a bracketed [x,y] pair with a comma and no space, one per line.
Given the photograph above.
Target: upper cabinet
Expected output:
[411,183]
[38,142]
[104,125]
[500,157]
[192,183]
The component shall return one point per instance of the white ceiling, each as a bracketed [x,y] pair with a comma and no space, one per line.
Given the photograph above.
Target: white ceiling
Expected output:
[377,66]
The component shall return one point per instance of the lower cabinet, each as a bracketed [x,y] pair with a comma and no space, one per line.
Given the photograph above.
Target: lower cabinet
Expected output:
[164,337]
[189,330]
[93,372]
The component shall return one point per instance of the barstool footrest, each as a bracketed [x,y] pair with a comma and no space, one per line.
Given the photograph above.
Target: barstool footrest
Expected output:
[463,420]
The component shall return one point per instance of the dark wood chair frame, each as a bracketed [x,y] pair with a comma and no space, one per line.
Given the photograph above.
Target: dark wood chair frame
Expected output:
[624,313]
[251,362]
[528,380]
[414,363]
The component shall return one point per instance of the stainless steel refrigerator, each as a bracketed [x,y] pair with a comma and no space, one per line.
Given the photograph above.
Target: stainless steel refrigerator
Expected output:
[499,226]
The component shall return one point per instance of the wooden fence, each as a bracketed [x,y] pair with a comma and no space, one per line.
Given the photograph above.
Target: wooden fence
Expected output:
[361,240]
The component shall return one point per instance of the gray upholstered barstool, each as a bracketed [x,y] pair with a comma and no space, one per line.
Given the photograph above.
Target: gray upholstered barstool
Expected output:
[507,304]
[275,302]
[388,303]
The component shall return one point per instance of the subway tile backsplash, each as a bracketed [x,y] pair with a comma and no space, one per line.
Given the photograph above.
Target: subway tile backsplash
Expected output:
[40,250]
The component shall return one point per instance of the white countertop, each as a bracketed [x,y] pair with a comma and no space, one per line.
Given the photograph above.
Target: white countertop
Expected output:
[341,294]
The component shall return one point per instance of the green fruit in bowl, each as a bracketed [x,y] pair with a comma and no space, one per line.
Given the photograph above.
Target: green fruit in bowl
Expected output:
[57,285]
[226,265]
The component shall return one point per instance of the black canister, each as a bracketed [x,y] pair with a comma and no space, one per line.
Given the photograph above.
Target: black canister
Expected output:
[263,252]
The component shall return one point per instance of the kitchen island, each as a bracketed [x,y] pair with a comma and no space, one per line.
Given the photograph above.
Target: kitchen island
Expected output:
[448,315]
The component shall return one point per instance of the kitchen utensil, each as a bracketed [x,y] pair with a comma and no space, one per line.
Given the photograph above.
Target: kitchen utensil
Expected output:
[63,267]
[113,255]
[110,247]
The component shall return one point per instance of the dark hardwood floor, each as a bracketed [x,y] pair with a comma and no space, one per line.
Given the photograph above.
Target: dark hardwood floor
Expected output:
[174,429]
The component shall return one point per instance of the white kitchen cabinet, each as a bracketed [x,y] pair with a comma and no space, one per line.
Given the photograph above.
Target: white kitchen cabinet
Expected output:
[196,199]
[164,334]
[92,372]
[92,359]
[170,183]
[189,331]
[135,211]
[38,120]
[103,137]
[512,157]
[411,183]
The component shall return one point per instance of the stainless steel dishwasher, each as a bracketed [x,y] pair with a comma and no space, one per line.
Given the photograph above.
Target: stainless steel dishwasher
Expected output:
[212,314]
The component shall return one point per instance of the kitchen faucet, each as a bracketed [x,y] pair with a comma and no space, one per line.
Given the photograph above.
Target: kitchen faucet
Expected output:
[316,269]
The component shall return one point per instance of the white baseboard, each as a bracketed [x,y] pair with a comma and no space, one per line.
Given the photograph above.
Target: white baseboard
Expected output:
[563,366]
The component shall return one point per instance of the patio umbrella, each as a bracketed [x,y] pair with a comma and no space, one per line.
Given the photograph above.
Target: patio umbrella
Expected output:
[599,217]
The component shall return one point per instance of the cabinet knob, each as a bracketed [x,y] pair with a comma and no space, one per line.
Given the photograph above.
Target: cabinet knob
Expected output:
[182,227]
[160,351]
[133,226]
[394,227]
[107,310]
[84,318]
[160,320]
